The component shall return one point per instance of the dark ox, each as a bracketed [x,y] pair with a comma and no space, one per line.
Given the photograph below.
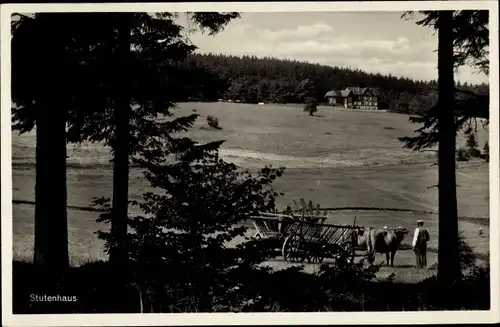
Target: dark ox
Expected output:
[381,241]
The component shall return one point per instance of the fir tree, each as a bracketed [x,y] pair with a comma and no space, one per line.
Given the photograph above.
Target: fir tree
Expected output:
[104,75]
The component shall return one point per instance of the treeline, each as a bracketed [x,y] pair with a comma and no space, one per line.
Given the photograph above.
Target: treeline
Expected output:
[251,79]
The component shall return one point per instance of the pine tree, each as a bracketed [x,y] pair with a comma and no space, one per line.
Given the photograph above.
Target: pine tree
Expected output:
[158,47]
[197,207]
[41,96]
[470,43]
[448,256]
[462,39]
[96,68]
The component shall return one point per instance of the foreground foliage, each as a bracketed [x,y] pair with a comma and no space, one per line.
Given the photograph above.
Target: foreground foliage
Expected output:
[188,221]
[248,288]
[261,291]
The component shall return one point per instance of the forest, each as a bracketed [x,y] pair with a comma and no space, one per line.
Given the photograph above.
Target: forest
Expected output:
[251,79]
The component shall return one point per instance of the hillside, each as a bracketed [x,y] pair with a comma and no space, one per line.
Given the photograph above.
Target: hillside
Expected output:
[251,79]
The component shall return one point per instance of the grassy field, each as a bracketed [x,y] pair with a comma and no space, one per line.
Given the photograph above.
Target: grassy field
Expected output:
[336,159]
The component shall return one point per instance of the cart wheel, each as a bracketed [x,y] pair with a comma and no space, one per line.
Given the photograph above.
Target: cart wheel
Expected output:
[317,255]
[315,258]
[292,250]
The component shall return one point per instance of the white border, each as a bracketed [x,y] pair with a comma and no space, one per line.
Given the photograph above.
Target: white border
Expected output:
[245,318]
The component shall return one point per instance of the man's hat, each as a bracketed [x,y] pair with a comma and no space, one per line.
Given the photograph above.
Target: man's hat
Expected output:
[420,221]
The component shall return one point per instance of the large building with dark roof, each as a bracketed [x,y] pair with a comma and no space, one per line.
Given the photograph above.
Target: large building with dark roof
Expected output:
[354,98]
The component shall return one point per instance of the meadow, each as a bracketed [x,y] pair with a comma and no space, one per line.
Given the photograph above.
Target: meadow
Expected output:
[336,158]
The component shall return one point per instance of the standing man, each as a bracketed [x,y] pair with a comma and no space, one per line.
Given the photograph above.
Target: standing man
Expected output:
[420,239]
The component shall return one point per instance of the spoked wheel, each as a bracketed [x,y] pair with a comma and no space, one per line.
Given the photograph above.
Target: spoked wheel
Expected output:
[317,253]
[316,258]
[293,248]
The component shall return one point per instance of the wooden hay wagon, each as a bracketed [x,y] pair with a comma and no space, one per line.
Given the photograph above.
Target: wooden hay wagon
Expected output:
[307,237]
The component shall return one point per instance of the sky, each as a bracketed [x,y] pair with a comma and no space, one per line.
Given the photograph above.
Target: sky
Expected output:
[376,42]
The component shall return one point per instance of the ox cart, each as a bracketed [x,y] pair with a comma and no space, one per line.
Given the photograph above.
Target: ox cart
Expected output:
[307,237]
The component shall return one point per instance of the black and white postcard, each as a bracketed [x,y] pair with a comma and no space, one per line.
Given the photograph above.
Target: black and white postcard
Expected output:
[176,163]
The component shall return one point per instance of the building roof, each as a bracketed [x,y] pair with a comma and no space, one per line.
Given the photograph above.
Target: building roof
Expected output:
[345,93]
[351,90]
[356,90]
[332,93]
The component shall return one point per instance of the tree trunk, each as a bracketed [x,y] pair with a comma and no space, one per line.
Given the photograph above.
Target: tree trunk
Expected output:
[448,254]
[51,224]
[119,224]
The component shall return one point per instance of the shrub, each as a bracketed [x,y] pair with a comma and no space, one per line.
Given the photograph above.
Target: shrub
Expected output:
[471,292]
[167,283]
[310,105]
[474,153]
[335,287]
[213,122]
[179,246]
[466,252]
[471,141]
[486,151]
[463,155]
[471,145]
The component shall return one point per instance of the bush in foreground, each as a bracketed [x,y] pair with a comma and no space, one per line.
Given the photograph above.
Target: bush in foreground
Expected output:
[259,290]
[175,267]
[242,287]
[178,250]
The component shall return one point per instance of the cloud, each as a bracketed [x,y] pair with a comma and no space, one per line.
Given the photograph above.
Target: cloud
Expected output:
[313,40]
[409,53]
[340,47]
[302,31]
